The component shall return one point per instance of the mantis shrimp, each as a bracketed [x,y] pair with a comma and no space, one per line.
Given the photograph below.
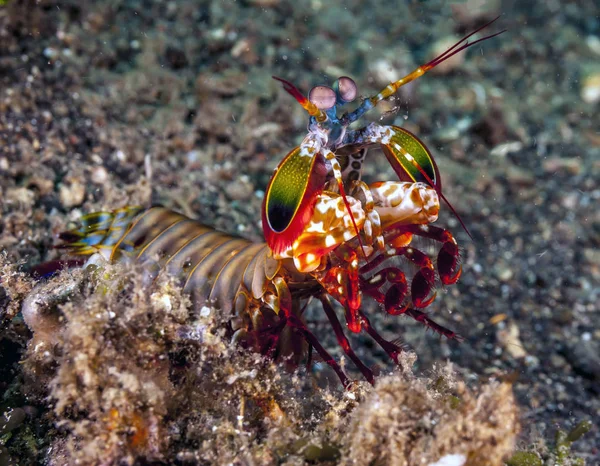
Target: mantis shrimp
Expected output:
[329,236]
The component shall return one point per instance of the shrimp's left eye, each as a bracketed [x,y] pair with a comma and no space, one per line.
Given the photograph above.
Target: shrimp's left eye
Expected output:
[346,89]
[323,97]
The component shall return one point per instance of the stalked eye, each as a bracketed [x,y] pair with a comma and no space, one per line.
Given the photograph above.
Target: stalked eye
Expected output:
[346,89]
[323,97]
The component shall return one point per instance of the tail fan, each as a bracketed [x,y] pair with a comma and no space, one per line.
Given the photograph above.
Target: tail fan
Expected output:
[99,232]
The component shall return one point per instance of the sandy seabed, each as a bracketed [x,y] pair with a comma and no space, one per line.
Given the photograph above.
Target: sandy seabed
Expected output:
[113,103]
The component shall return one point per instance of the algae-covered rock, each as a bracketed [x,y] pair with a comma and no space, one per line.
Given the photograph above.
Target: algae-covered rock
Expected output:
[404,422]
[135,374]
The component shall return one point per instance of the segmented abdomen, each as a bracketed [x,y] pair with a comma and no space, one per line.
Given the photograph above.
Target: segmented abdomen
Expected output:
[211,266]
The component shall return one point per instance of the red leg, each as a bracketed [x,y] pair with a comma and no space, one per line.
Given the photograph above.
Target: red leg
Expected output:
[343,284]
[312,340]
[343,341]
[424,280]
[422,283]
[375,262]
[448,260]
[390,348]
[269,337]
[285,305]
[448,264]
[421,317]
[393,299]
[396,294]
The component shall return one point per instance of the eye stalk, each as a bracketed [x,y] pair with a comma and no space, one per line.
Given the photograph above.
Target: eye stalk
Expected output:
[322,97]
[345,89]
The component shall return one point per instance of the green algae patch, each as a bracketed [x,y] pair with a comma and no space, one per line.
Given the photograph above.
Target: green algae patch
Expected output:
[559,454]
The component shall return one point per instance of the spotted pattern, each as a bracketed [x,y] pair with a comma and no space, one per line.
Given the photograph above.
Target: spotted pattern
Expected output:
[330,226]
[405,203]
[376,134]
[352,170]
[312,144]
[386,203]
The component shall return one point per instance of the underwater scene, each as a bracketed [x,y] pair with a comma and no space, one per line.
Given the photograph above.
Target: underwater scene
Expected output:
[321,232]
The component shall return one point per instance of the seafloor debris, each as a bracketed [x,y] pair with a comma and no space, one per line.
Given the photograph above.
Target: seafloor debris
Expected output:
[134,375]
